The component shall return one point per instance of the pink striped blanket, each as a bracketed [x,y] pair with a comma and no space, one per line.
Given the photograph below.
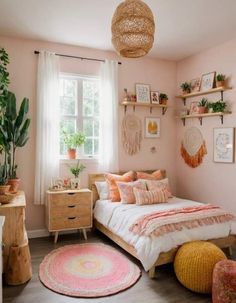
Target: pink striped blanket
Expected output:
[163,222]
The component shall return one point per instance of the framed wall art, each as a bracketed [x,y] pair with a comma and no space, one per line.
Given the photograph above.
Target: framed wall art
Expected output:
[142,93]
[155,97]
[195,85]
[193,108]
[152,127]
[207,81]
[224,144]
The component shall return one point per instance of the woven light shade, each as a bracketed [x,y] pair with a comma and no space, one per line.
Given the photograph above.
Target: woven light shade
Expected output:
[133,29]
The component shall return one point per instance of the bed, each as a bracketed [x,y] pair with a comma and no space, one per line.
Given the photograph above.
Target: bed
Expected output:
[113,219]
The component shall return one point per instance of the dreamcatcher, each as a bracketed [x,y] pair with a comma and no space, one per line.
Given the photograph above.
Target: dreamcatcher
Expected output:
[193,147]
[131,134]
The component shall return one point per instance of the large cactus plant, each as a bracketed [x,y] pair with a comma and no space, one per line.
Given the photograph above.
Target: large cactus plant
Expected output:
[14,130]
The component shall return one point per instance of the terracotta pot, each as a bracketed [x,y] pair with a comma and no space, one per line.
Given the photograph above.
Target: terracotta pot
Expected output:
[185,92]
[163,101]
[4,189]
[71,153]
[220,83]
[14,184]
[202,109]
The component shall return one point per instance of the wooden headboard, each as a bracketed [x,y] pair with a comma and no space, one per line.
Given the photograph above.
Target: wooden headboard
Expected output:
[100,177]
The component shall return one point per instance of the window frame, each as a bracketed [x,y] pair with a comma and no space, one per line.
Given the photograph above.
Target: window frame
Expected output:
[79,117]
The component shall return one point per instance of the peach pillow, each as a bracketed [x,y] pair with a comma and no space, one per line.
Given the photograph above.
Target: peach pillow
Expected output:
[126,190]
[111,179]
[156,175]
[164,184]
[145,197]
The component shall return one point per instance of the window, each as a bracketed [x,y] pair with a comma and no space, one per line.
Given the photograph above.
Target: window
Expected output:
[79,109]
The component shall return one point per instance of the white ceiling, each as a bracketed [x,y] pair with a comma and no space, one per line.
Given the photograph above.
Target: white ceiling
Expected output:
[183,27]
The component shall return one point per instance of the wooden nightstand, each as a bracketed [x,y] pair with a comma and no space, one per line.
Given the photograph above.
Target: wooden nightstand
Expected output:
[68,210]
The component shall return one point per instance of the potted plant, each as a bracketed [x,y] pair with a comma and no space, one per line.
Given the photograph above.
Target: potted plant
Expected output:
[220,80]
[163,98]
[76,170]
[202,106]
[210,107]
[186,88]
[218,106]
[72,141]
[14,133]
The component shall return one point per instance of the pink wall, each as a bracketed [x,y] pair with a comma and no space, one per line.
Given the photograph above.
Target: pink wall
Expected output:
[211,182]
[160,74]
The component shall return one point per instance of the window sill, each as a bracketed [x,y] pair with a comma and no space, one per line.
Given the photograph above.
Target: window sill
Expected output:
[82,160]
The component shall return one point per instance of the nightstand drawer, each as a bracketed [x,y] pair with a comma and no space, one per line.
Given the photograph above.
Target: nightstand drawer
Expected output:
[70,199]
[71,209]
[70,222]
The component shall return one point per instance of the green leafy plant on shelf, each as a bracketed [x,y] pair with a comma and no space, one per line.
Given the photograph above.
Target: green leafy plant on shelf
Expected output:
[163,98]
[76,170]
[220,77]
[186,87]
[203,102]
[218,106]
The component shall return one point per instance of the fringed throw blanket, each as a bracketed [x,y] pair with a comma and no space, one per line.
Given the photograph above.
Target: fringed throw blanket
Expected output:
[164,222]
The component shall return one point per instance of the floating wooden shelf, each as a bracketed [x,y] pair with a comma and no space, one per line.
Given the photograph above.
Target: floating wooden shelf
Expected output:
[201,93]
[200,116]
[149,105]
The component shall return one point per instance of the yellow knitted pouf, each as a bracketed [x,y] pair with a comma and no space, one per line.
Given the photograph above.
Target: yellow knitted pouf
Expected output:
[194,264]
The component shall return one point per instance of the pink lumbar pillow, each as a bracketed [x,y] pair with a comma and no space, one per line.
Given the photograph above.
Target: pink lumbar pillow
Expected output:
[156,175]
[164,184]
[126,190]
[144,197]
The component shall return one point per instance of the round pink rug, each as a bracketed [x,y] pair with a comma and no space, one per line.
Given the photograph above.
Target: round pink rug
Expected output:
[87,270]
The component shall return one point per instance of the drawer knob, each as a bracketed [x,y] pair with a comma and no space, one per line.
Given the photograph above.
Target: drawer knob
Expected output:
[71,206]
[71,194]
[71,218]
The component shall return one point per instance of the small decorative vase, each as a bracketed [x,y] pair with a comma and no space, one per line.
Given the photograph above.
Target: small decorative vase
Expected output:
[14,185]
[4,189]
[71,153]
[75,183]
[201,109]
[220,83]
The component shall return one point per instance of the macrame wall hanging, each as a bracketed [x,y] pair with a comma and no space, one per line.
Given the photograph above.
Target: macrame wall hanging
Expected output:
[193,147]
[131,134]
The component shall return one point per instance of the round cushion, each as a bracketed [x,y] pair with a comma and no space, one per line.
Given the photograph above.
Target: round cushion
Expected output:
[224,282]
[194,264]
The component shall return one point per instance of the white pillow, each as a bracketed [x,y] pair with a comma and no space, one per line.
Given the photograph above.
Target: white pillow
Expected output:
[103,190]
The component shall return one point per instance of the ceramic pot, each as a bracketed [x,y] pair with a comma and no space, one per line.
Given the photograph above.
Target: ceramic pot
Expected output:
[220,83]
[202,109]
[71,153]
[14,185]
[163,101]
[4,189]
[185,92]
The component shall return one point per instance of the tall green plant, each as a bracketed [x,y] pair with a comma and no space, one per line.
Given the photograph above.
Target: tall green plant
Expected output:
[14,130]
[4,78]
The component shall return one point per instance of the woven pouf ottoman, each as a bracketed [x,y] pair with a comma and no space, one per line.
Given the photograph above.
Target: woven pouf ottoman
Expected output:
[224,282]
[194,264]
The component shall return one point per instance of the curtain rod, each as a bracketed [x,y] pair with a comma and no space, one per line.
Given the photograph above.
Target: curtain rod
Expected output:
[76,57]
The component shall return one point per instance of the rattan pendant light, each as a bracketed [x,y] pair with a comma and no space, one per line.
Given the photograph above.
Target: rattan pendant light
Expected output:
[133,29]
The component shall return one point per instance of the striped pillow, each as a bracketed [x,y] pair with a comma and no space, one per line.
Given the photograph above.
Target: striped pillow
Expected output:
[144,197]
[161,184]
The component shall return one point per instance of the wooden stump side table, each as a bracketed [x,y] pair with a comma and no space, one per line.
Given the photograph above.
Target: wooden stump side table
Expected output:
[16,255]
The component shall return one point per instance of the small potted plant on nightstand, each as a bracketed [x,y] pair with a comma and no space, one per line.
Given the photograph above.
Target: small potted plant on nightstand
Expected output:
[186,88]
[202,106]
[163,98]
[72,141]
[76,170]
[220,80]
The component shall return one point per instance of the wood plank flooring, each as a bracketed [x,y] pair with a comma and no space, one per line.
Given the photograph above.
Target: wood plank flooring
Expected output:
[163,289]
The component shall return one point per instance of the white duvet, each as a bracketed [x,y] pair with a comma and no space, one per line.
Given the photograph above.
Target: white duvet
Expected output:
[119,217]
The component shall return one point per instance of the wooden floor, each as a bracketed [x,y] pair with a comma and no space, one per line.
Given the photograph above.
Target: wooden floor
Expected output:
[164,289]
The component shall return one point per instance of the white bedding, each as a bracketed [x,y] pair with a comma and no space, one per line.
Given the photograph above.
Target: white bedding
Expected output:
[119,217]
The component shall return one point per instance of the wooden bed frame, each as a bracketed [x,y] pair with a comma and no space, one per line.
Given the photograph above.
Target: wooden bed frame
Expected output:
[165,257]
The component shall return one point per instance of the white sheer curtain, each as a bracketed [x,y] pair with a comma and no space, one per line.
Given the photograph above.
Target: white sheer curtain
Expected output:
[108,143]
[47,132]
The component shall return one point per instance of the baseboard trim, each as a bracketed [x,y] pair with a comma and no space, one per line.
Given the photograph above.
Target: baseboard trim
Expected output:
[41,233]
